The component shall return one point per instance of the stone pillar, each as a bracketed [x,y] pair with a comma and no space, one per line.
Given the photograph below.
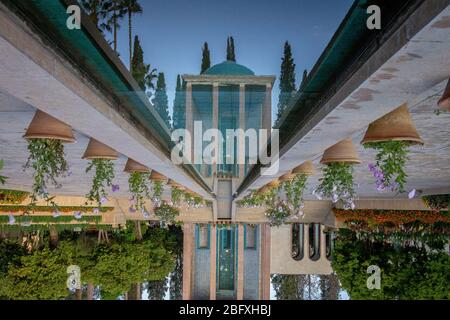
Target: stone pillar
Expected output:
[323,242]
[241,125]
[189,116]
[267,108]
[306,240]
[265,262]
[240,264]
[215,120]
[188,254]
[212,262]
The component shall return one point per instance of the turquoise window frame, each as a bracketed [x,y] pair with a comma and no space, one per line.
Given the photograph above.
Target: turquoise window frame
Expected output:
[256,238]
[197,237]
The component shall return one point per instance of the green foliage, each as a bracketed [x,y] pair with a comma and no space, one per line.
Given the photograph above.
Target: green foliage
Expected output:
[337,183]
[277,213]
[58,227]
[177,196]
[103,178]
[231,56]
[10,253]
[2,178]
[287,81]
[142,72]
[40,276]
[166,213]
[407,271]
[50,219]
[161,102]
[391,159]
[158,189]
[28,209]
[206,60]
[295,190]
[138,184]
[437,202]
[12,196]
[178,105]
[46,157]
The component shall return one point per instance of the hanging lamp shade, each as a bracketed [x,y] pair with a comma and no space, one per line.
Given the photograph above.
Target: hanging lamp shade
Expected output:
[394,126]
[274,184]
[175,185]
[98,150]
[306,167]
[343,151]
[133,166]
[444,102]
[155,176]
[287,177]
[264,189]
[44,126]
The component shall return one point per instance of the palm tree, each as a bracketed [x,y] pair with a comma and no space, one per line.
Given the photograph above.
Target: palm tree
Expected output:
[95,10]
[132,7]
[112,12]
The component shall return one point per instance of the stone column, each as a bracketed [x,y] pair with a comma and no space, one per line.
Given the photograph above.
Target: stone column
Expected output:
[241,125]
[189,116]
[267,108]
[306,240]
[212,262]
[188,253]
[265,261]
[323,242]
[215,119]
[240,264]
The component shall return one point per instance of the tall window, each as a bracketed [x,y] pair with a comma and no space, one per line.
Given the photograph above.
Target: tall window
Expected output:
[314,241]
[297,238]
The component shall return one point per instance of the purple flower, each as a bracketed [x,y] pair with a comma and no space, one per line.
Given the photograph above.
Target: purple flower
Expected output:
[77,215]
[372,167]
[115,187]
[132,210]
[103,200]
[11,220]
[96,210]
[380,186]
[412,194]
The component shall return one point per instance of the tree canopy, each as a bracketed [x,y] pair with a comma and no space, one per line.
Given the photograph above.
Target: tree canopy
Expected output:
[407,271]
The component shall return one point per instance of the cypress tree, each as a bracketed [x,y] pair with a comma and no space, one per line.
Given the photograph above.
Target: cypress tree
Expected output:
[178,109]
[137,63]
[206,61]
[302,84]
[161,100]
[287,80]
[230,50]
[142,72]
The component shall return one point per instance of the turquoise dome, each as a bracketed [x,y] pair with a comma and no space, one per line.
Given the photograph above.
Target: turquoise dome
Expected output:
[229,68]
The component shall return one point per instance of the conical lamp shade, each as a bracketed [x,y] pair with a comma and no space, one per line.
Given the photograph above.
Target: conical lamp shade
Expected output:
[287,177]
[98,150]
[133,166]
[306,167]
[44,126]
[343,151]
[175,185]
[155,176]
[274,184]
[444,102]
[264,189]
[394,126]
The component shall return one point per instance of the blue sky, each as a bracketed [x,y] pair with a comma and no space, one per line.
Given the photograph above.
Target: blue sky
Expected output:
[172,33]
